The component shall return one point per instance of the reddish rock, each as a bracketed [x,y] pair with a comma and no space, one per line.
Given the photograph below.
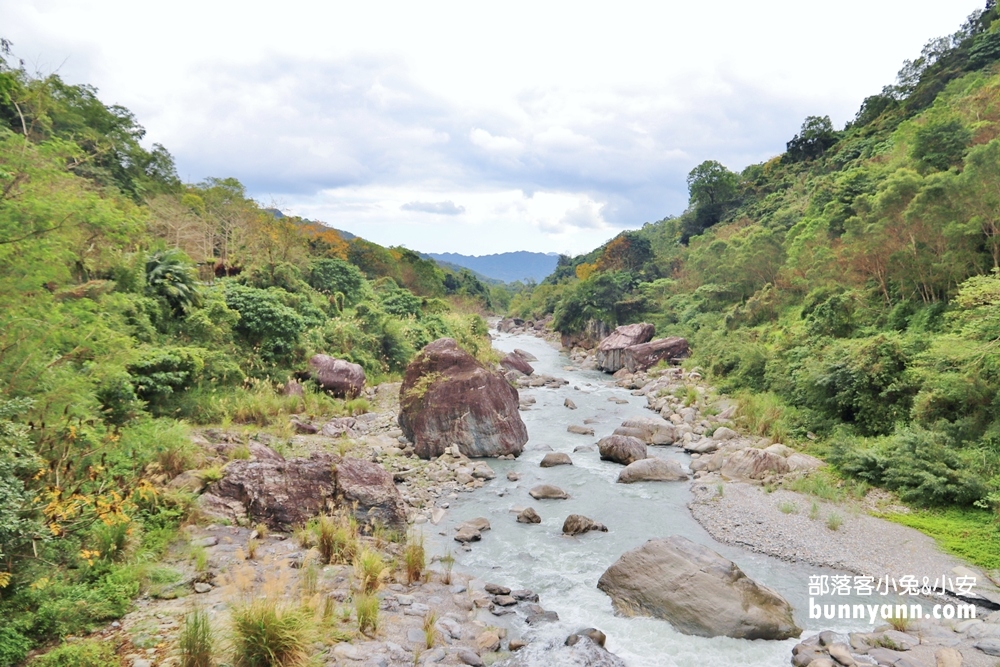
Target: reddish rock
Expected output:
[369,490]
[515,362]
[448,397]
[341,378]
[284,493]
[611,351]
[646,355]
[293,388]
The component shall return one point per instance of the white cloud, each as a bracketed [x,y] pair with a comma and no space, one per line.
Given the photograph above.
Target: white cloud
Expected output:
[553,133]
[437,208]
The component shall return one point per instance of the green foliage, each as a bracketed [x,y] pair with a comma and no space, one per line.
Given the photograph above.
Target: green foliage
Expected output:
[266,324]
[335,276]
[941,145]
[813,140]
[13,646]
[169,276]
[18,514]
[84,653]
[713,191]
[972,534]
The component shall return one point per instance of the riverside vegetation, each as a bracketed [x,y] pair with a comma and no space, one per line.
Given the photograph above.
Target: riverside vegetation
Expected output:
[133,306]
[845,291]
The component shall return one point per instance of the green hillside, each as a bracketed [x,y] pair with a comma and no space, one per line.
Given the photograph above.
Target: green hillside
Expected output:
[132,305]
[847,290]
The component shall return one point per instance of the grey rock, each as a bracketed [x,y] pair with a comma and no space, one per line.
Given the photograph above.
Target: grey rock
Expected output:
[698,591]
[553,459]
[652,469]
[569,404]
[469,658]
[548,492]
[989,646]
[528,515]
[579,430]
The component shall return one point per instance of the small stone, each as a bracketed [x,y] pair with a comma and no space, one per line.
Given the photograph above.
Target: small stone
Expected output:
[345,651]
[504,600]
[202,587]
[437,655]
[842,654]
[569,404]
[553,459]
[497,610]
[205,542]
[513,476]
[989,646]
[580,430]
[528,515]
[947,657]
[593,634]
[488,641]
[405,600]
[516,644]
[497,589]
[468,534]
[416,635]
[470,658]
[525,595]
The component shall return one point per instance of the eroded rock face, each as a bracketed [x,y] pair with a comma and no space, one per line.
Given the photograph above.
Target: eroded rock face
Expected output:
[341,378]
[652,470]
[646,355]
[283,493]
[515,362]
[447,397]
[624,449]
[611,351]
[698,591]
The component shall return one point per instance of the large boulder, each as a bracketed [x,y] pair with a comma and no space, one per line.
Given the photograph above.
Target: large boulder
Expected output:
[341,378]
[283,493]
[611,351]
[646,355]
[448,397]
[698,591]
[651,430]
[754,464]
[515,362]
[368,489]
[623,449]
[652,469]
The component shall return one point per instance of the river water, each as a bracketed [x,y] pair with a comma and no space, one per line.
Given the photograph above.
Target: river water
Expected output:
[564,570]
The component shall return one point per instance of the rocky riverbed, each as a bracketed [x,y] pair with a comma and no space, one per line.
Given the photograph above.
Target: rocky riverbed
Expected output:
[523,588]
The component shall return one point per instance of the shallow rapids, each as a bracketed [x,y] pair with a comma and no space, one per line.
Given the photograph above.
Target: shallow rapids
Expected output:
[564,570]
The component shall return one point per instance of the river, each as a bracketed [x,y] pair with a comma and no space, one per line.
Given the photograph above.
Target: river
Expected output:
[564,570]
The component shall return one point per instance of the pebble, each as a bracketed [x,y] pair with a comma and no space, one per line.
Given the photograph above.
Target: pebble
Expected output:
[202,587]
[205,542]
[470,658]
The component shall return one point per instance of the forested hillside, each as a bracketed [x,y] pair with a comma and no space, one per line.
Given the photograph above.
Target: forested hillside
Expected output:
[847,290]
[132,305]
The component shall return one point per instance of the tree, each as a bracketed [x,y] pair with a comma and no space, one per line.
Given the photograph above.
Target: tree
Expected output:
[712,192]
[815,137]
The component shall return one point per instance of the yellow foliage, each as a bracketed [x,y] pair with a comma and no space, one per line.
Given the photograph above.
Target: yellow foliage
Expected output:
[584,271]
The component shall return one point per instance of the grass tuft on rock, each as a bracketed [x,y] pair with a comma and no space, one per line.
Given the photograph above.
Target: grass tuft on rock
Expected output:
[268,634]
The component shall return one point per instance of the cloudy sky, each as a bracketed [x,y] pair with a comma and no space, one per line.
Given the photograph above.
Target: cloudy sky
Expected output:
[476,127]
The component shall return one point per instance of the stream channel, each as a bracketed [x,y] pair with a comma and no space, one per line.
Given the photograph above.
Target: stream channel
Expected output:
[564,570]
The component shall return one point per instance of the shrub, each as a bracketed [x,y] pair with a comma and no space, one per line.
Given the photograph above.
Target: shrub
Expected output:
[85,653]
[266,324]
[266,634]
[197,641]
[13,646]
[333,276]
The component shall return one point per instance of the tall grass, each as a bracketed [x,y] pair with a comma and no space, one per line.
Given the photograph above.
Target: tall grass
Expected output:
[763,414]
[415,558]
[366,608]
[197,641]
[267,634]
[336,538]
[370,571]
[262,404]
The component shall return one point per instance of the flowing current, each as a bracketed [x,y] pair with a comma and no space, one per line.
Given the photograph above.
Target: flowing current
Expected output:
[564,570]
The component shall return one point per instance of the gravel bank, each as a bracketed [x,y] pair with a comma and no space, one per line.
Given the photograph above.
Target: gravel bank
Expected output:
[748,516]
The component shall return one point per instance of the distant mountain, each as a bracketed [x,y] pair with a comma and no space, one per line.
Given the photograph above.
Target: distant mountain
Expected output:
[505,266]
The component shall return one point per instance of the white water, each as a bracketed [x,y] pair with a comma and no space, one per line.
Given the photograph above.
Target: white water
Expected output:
[564,570]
